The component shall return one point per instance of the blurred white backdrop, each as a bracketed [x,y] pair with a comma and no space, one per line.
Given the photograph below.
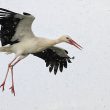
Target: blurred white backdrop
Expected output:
[84,85]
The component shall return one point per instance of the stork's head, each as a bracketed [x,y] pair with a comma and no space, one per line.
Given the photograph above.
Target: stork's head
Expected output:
[68,39]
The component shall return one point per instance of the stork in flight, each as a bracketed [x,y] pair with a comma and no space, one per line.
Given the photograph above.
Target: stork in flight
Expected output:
[17,37]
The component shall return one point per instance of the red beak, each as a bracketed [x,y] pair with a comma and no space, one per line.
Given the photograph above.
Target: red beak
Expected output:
[72,42]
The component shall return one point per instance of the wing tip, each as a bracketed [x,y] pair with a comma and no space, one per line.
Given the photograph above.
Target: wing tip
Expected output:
[25,13]
[5,10]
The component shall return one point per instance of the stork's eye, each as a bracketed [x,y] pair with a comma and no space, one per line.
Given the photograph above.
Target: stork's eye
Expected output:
[67,37]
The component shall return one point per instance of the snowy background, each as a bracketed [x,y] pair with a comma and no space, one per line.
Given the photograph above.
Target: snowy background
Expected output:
[85,84]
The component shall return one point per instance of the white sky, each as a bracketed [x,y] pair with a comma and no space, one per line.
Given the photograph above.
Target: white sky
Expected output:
[85,84]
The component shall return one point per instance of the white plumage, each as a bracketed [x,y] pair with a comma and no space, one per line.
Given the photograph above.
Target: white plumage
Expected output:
[17,37]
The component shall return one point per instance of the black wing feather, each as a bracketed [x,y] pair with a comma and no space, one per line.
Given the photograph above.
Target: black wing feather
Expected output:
[53,59]
[8,22]
[61,67]
[51,67]
[56,68]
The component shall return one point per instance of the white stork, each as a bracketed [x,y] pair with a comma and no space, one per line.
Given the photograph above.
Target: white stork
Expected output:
[17,37]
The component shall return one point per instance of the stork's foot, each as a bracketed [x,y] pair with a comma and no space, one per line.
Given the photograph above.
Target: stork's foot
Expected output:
[2,85]
[12,89]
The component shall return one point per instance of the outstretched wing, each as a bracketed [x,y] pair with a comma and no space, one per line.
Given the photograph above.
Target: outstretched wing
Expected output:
[55,58]
[14,26]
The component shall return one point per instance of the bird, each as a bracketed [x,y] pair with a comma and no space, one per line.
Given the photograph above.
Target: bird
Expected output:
[17,37]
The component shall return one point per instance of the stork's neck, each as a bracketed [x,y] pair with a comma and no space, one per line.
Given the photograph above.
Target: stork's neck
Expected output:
[54,42]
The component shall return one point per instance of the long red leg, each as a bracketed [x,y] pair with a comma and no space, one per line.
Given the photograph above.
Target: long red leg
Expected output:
[3,84]
[12,87]
[10,66]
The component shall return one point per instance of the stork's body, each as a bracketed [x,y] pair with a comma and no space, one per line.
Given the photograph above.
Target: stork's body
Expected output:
[16,32]
[31,45]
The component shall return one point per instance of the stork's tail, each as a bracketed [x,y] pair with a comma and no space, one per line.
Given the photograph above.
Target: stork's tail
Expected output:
[5,49]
